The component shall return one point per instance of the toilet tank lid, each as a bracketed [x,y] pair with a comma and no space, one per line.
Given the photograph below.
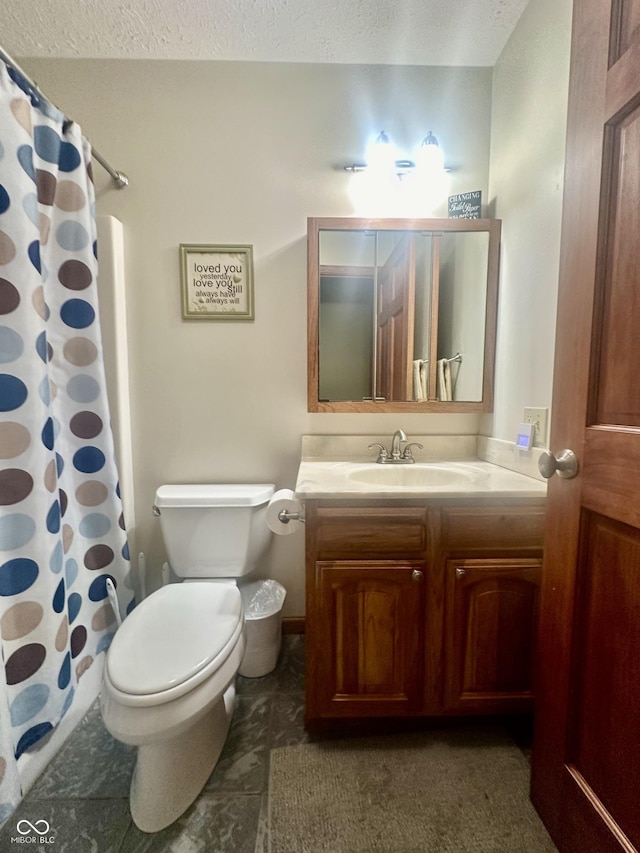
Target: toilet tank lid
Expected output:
[214,494]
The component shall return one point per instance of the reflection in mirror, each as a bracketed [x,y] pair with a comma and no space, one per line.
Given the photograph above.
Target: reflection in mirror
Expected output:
[402,314]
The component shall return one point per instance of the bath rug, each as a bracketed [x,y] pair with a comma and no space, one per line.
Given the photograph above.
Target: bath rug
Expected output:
[453,791]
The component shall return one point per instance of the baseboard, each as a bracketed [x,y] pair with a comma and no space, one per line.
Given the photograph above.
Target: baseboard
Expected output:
[293,625]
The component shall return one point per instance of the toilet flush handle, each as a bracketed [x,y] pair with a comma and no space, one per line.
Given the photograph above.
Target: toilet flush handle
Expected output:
[156,510]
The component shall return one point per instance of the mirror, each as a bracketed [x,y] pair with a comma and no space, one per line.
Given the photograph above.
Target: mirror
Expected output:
[402,314]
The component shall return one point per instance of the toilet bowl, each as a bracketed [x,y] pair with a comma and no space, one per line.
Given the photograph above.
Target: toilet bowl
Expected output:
[168,684]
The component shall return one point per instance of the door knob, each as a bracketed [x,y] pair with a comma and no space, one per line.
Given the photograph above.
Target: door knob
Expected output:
[416,575]
[565,464]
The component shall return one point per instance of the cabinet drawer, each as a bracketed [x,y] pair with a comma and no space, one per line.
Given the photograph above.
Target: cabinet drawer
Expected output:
[493,527]
[357,532]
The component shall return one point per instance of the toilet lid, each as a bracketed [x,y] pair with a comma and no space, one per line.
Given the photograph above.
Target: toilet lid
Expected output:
[172,635]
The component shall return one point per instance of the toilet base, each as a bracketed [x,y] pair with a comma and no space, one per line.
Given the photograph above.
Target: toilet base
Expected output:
[159,797]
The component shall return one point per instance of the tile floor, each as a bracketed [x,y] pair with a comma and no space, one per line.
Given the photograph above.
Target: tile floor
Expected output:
[83,794]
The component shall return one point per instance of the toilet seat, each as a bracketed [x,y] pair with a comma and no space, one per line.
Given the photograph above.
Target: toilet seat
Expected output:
[173,641]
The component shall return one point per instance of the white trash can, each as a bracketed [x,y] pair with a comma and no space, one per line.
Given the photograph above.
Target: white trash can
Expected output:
[262,603]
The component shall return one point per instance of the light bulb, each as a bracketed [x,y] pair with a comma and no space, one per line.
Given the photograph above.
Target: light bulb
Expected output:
[381,157]
[429,157]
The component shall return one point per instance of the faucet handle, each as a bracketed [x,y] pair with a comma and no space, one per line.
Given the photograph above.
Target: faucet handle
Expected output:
[384,453]
[407,454]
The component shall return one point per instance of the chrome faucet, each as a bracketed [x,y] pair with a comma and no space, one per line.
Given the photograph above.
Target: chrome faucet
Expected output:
[397,456]
[398,436]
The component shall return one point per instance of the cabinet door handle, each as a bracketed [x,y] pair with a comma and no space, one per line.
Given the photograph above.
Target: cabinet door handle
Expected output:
[460,573]
[416,575]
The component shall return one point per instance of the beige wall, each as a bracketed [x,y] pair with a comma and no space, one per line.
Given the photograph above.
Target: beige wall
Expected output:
[243,153]
[529,108]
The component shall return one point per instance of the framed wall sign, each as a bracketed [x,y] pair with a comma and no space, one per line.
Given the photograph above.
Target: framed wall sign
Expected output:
[465,205]
[216,282]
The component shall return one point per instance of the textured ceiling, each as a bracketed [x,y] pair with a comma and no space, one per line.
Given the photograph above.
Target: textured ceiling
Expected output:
[387,32]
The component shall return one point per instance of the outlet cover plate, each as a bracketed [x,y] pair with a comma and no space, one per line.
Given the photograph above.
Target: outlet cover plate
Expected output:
[540,419]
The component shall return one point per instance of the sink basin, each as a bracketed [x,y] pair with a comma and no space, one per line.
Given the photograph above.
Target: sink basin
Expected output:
[419,474]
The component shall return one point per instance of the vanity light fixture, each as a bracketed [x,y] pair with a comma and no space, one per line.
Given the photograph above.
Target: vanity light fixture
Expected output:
[429,155]
[381,158]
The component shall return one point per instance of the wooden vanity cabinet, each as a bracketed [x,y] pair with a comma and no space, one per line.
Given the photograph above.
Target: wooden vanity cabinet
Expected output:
[365,609]
[420,608]
[370,632]
[492,563]
[489,627]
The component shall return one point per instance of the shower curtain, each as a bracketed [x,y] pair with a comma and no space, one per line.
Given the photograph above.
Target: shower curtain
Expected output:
[61,525]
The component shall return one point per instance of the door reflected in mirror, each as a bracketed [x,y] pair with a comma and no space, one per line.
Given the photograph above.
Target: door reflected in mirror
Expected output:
[401,314]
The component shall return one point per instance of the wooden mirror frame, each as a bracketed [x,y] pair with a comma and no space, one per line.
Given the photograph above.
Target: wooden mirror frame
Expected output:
[314,226]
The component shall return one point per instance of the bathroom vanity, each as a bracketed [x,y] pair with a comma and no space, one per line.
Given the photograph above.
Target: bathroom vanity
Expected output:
[421,588]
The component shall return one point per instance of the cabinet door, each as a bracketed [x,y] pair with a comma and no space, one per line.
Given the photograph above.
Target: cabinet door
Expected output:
[490,614]
[368,639]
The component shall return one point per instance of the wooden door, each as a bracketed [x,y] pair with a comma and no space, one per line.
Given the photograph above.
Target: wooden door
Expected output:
[491,607]
[586,755]
[395,322]
[370,623]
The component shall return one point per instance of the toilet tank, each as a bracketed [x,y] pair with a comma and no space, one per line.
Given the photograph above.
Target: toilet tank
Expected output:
[214,531]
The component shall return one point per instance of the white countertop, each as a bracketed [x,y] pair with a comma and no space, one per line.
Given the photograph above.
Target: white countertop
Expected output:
[473,478]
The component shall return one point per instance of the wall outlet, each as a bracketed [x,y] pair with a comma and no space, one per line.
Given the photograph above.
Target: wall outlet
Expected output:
[540,419]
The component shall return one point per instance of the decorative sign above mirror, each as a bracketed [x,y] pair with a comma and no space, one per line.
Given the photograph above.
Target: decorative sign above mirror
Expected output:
[402,314]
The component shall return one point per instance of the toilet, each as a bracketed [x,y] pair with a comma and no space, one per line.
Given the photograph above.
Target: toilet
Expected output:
[168,685]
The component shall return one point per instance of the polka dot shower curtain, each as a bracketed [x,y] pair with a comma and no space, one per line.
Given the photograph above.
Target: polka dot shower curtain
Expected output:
[61,528]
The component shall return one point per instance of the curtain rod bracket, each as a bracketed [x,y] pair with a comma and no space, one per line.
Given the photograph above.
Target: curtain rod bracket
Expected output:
[119,178]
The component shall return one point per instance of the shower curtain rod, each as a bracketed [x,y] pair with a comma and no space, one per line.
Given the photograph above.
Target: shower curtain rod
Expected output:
[119,178]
